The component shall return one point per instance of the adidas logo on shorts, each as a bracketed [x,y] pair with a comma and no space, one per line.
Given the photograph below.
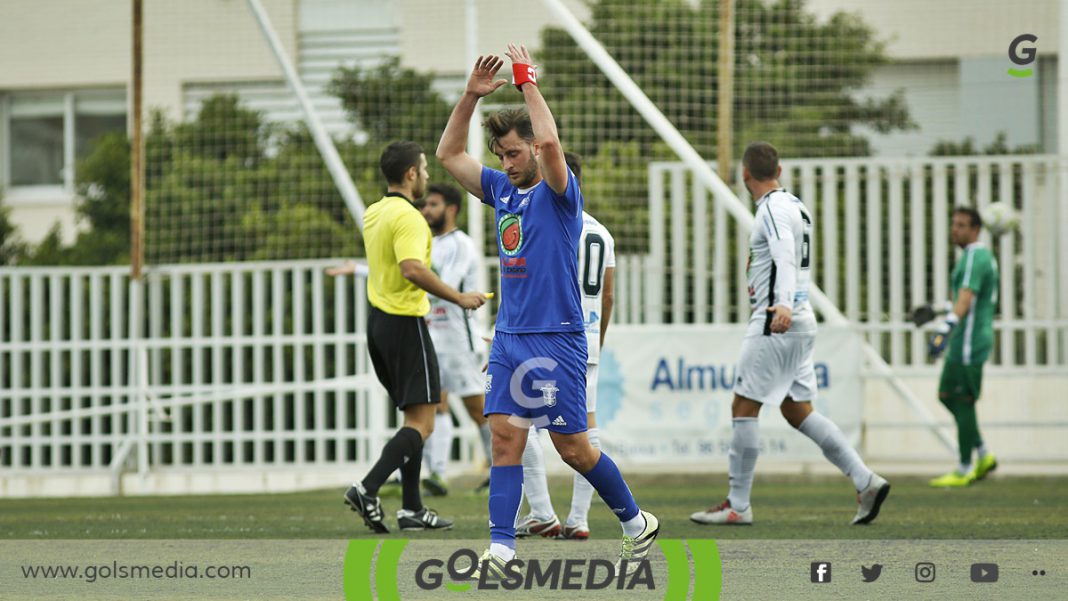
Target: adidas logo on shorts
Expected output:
[559,421]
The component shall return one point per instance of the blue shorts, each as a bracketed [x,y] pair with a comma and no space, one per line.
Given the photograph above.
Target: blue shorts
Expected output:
[549,373]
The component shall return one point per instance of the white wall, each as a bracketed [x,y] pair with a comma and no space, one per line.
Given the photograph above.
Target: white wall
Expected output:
[81,43]
[63,45]
[922,29]
[951,61]
[932,94]
[1033,401]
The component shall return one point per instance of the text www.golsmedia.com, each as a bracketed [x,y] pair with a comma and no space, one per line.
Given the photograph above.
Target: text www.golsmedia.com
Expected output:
[117,571]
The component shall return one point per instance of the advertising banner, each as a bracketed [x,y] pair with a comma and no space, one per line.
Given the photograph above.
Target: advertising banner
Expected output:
[664,395]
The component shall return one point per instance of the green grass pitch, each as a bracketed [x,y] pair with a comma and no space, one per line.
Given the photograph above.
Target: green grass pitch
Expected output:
[784,508]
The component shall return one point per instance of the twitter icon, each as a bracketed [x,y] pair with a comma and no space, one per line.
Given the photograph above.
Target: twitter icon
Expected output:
[871,574]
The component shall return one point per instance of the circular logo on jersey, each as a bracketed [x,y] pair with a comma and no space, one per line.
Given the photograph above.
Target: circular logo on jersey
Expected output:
[510,228]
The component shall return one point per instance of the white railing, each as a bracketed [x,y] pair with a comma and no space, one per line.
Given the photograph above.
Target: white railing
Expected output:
[263,365]
[254,364]
[882,247]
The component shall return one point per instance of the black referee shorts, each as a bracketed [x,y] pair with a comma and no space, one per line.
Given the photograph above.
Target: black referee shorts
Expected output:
[404,358]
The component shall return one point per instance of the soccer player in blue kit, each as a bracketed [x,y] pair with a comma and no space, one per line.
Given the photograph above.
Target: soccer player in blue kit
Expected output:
[537,367]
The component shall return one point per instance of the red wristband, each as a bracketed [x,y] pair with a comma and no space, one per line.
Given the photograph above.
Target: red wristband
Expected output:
[522,73]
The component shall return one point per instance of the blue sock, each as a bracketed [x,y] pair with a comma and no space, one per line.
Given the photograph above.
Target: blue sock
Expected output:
[609,483]
[506,493]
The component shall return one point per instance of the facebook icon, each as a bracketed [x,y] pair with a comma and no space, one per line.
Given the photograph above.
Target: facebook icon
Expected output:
[821,571]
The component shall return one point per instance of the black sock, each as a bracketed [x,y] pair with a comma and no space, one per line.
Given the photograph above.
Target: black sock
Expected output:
[411,497]
[405,445]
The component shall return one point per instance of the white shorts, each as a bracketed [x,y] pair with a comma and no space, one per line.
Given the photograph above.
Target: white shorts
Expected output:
[461,374]
[591,387]
[770,368]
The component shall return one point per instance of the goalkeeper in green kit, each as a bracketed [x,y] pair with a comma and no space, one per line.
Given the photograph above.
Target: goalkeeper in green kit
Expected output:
[968,332]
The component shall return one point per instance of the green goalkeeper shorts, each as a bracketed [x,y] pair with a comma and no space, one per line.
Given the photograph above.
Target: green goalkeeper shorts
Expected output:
[960,381]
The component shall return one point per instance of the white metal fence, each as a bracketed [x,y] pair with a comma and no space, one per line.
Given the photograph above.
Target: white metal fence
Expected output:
[263,365]
[254,364]
[882,247]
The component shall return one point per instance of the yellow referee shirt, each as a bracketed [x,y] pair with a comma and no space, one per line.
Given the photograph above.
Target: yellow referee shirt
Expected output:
[394,231]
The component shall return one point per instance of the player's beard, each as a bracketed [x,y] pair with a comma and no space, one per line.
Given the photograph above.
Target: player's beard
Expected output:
[436,225]
[527,177]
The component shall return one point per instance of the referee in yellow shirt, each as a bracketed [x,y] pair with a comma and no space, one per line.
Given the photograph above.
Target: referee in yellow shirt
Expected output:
[397,240]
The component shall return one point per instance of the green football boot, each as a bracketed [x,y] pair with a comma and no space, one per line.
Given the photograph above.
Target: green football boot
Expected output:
[984,466]
[954,479]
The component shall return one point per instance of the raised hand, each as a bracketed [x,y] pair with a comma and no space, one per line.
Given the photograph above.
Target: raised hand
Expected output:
[517,53]
[481,82]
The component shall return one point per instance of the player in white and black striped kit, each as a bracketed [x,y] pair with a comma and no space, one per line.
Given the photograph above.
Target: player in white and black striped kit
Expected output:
[459,347]
[596,270]
[775,366]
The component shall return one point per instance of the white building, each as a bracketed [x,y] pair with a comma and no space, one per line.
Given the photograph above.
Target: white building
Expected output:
[951,59]
[69,82]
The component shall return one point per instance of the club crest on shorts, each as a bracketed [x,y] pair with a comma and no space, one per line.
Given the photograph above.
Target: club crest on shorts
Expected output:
[489,383]
[548,394]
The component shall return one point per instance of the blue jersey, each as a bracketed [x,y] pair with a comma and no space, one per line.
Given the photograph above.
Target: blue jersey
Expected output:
[537,237]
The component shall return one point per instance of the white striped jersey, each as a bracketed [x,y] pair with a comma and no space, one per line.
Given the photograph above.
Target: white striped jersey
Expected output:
[779,257]
[596,253]
[454,258]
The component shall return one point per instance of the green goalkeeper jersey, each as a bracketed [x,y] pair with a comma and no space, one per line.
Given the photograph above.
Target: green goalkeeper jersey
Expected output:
[973,338]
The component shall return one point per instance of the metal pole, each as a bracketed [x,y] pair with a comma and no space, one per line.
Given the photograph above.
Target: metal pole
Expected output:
[721,192]
[138,398]
[1062,88]
[326,147]
[476,148]
[725,112]
[137,154]
[1062,155]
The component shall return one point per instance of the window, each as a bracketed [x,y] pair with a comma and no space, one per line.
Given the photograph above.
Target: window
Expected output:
[36,147]
[48,132]
[95,115]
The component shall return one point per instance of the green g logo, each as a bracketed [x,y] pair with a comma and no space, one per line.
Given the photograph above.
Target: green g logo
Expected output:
[510,228]
[1023,57]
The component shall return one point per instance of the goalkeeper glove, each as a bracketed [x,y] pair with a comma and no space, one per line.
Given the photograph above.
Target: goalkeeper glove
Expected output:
[936,344]
[926,313]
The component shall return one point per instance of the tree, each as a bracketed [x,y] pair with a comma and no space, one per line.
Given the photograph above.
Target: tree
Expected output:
[225,186]
[12,248]
[795,77]
[967,147]
[229,186]
[390,103]
[103,205]
[796,80]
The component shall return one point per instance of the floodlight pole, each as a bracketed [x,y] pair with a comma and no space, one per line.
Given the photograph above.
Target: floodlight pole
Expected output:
[723,194]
